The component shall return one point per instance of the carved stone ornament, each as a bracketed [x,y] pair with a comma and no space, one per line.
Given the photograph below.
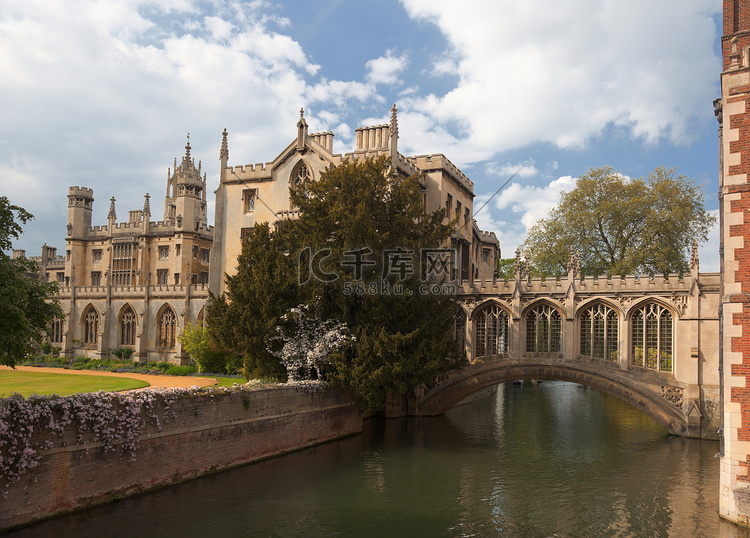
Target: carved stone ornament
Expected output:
[680,302]
[672,394]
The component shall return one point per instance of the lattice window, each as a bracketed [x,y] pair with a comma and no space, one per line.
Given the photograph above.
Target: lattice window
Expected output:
[599,333]
[459,328]
[127,327]
[543,330]
[91,326]
[167,328]
[301,175]
[56,331]
[652,338]
[491,331]
[123,263]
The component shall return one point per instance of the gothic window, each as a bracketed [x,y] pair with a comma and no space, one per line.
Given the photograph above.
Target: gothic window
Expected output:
[652,338]
[167,328]
[204,255]
[448,206]
[57,331]
[96,278]
[203,278]
[90,326]
[164,252]
[123,263]
[127,327]
[97,255]
[300,175]
[543,330]
[491,331]
[599,332]
[248,196]
[162,277]
[459,328]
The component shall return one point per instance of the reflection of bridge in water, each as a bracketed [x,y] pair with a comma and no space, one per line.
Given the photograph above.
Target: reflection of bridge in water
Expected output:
[652,342]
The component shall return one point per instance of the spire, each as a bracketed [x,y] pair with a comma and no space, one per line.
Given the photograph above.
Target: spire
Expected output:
[694,261]
[517,268]
[301,130]
[224,153]
[112,214]
[394,122]
[147,206]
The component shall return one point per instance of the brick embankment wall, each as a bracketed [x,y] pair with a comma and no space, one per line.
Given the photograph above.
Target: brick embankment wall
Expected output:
[200,433]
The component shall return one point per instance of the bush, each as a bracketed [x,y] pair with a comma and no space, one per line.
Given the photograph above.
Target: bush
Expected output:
[122,353]
[181,370]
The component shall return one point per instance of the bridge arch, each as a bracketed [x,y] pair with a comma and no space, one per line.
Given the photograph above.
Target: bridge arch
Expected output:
[475,378]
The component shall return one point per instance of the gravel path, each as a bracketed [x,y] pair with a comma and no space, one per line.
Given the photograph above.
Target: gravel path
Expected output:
[154,381]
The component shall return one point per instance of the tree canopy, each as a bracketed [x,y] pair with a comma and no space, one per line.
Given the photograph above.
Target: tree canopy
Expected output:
[621,225]
[25,312]
[353,258]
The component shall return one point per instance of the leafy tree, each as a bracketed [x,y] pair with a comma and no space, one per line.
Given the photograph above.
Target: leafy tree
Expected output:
[194,340]
[240,324]
[622,226]
[25,310]
[403,338]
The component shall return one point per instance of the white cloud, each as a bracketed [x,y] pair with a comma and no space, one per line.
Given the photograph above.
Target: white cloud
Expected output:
[561,72]
[386,69]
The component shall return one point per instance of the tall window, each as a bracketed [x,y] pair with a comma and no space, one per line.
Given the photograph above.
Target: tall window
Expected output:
[57,331]
[248,197]
[123,263]
[127,327]
[448,206]
[167,328]
[90,326]
[599,333]
[652,338]
[162,277]
[491,331]
[459,328]
[301,175]
[543,330]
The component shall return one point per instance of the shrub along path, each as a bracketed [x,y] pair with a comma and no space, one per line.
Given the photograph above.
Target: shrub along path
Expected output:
[154,381]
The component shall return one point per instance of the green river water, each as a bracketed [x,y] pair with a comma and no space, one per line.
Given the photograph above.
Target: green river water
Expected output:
[553,459]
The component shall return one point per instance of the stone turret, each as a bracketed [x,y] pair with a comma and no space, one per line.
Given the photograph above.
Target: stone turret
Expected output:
[80,206]
[185,202]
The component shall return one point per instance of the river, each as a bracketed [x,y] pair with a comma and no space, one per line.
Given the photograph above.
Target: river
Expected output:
[548,459]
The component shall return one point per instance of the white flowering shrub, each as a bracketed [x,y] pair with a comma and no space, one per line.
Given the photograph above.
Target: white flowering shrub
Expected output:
[113,419]
[307,341]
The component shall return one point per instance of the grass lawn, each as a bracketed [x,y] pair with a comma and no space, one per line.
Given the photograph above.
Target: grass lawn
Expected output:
[227,381]
[27,383]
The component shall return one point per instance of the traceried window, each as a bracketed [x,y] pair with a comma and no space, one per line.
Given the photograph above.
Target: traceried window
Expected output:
[123,263]
[167,328]
[491,330]
[599,333]
[301,175]
[90,326]
[164,252]
[543,330]
[56,331]
[162,277]
[127,327]
[459,328]
[248,198]
[97,255]
[652,338]
[96,278]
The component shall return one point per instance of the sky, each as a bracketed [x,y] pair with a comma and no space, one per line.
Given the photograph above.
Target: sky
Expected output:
[103,94]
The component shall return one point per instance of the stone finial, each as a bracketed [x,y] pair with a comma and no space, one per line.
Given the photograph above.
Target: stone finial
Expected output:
[578,263]
[112,214]
[224,153]
[301,130]
[574,263]
[187,148]
[517,269]
[526,269]
[147,206]
[394,122]
[694,261]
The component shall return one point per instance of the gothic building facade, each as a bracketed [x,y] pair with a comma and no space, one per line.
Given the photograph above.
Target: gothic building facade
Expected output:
[133,284]
[257,193]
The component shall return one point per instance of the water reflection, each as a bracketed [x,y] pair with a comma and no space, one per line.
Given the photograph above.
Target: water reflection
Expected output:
[538,460]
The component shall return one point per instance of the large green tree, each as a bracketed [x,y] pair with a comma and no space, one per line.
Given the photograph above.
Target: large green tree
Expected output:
[26,312]
[404,336]
[621,225]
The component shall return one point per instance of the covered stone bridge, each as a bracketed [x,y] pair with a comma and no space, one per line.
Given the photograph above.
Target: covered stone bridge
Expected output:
[650,341]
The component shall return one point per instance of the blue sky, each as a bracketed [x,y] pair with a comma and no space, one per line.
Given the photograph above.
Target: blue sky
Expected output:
[103,93]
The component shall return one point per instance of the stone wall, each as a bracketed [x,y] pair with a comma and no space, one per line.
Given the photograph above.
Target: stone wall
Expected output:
[198,434]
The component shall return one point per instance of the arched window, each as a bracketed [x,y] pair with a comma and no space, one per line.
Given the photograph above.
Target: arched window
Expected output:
[543,330]
[57,331]
[167,328]
[90,326]
[459,328]
[599,335]
[127,327]
[491,331]
[652,338]
[300,175]
[199,319]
